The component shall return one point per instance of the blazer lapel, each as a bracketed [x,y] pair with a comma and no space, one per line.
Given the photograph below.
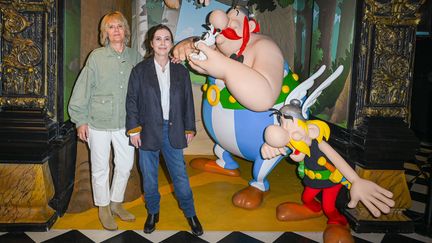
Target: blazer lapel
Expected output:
[154,81]
[174,86]
[174,79]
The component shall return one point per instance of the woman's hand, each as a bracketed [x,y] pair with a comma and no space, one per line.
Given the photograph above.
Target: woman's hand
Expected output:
[83,132]
[135,140]
[189,137]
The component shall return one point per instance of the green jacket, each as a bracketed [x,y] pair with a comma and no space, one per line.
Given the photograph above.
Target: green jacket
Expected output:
[99,95]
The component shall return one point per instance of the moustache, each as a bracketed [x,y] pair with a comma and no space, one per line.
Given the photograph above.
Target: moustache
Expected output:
[299,146]
[230,33]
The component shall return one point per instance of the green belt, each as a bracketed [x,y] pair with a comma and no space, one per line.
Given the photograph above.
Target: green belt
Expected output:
[317,174]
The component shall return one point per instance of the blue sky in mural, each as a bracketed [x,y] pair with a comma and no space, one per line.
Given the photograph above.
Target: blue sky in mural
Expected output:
[191,19]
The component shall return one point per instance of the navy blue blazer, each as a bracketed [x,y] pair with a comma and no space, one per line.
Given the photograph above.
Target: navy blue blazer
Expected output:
[143,105]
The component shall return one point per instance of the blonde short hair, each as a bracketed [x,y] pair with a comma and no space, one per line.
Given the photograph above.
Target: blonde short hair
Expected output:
[116,15]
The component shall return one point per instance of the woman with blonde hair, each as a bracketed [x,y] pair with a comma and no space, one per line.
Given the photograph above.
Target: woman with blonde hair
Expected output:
[97,107]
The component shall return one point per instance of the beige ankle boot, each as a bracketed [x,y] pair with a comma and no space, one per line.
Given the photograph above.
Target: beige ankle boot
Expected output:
[117,209]
[106,218]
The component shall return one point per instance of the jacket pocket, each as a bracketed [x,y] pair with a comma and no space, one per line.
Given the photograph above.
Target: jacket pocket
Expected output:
[101,107]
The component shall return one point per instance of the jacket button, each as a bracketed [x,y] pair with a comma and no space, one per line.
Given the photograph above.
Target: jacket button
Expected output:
[170,123]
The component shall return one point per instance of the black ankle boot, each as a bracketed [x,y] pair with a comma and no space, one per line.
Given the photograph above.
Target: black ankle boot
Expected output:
[195,225]
[150,223]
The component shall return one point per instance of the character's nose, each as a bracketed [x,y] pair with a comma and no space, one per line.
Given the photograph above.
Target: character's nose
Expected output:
[219,19]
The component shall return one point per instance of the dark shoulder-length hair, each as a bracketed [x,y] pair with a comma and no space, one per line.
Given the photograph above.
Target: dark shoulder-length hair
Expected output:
[150,36]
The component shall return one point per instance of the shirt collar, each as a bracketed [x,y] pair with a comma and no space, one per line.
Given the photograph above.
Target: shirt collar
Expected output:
[159,67]
[112,52]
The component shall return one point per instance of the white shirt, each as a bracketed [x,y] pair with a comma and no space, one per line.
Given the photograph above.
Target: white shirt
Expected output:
[164,86]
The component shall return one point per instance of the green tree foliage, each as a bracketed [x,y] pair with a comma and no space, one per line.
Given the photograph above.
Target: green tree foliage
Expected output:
[270,5]
[285,3]
[154,12]
[317,53]
[331,93]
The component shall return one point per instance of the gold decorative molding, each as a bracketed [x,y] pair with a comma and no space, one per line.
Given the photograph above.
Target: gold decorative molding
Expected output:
[385,111]
[22,5]
[14,23]
[393,12]
[390,81]
[391,73]
[23,102]
[385,64]
[21,73]
[28,70]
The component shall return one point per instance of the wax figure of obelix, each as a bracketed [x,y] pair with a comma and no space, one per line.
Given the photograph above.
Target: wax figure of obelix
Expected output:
[247,77]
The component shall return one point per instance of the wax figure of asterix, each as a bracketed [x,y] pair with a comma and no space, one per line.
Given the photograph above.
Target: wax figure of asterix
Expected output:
[250,77]
[324,171]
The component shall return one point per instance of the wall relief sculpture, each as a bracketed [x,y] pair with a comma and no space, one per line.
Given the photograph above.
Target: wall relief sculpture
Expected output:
[28,69]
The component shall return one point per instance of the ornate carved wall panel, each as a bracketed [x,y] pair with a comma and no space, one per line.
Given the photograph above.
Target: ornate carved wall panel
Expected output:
[28,59]
[382,141]
[33,135]
[385,65]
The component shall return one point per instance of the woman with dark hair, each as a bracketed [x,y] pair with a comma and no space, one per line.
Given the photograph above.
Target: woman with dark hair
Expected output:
[160,118]
[97,107]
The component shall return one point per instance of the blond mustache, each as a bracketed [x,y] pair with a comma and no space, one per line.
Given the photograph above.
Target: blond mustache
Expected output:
[300,146]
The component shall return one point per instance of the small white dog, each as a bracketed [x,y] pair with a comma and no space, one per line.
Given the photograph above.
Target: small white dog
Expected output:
[209,38]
